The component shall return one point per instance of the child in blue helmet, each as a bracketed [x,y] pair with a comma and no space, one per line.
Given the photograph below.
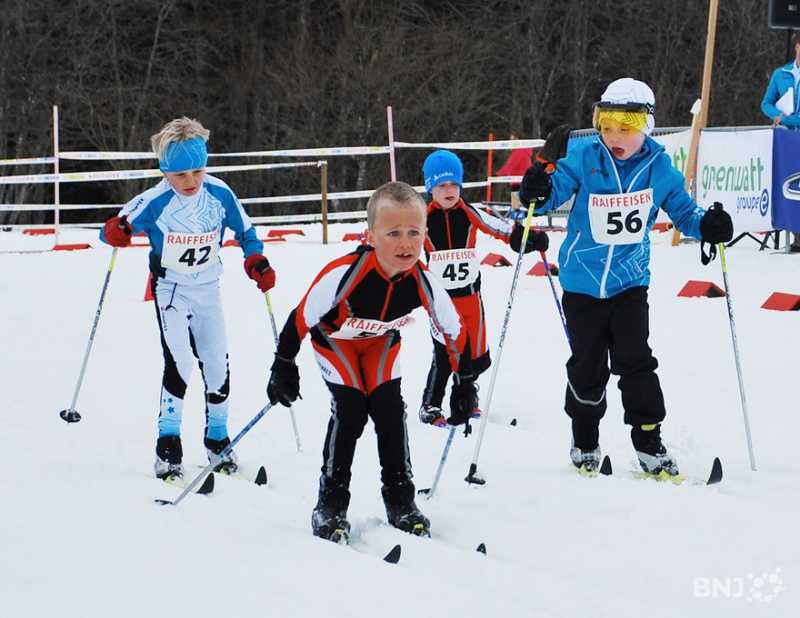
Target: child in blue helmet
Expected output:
[453,227]
[185,216]
[620,181]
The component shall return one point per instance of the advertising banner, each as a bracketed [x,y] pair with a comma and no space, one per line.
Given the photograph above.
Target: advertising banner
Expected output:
[786,180]
[735,168]
[676,145]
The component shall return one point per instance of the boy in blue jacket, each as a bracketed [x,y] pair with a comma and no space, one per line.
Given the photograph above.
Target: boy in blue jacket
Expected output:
[620,180]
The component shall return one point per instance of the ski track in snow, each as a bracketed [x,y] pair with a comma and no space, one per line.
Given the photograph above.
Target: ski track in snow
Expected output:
[81,535]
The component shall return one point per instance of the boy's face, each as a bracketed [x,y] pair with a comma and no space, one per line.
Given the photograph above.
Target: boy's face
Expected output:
[397,235]
[446,194]
[621,139]
[186,183]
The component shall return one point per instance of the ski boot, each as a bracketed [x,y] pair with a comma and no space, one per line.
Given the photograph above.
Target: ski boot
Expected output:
[476,411]
[229,464]
[169,455]
[653,456]
[329,517]
[402,511]
[586,461]
[432,415]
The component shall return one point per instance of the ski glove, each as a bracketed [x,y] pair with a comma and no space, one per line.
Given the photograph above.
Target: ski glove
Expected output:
[117,232]
[258,269]
[284,382]
[716,225]
[536,184]
[463,401]
[536,241]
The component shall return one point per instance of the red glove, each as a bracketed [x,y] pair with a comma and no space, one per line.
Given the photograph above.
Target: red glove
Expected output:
[117,232]
[258,269]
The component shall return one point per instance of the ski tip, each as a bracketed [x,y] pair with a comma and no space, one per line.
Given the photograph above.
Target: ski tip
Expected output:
[605,466]
[716,472]
[393,557]
[261,476]
[513,422]
[481,549]
[208,485]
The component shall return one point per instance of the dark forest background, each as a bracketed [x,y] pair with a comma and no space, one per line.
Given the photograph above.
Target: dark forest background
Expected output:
[307,73]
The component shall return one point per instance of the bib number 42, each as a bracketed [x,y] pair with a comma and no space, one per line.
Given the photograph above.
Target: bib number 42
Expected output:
[190,258]
[631,224]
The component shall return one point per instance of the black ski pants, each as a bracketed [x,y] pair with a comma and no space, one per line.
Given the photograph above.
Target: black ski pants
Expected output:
[615,328]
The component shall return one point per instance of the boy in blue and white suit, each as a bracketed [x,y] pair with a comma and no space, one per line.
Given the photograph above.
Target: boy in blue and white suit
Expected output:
[620,180]
[185,216]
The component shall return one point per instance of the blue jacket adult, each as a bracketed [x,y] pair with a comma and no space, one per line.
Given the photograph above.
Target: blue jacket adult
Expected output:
[602,270]
[780,83]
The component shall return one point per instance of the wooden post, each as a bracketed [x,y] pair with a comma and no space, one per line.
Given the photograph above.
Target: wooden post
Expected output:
[56,186]
[489,169]
[324,183]
[390,128]
[701,119]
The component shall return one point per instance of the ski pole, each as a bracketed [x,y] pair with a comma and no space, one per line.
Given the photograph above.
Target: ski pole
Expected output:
[275,335]
[473,468]
[70,415]
[736,356]
[555,295]
[215,460]
[440,467]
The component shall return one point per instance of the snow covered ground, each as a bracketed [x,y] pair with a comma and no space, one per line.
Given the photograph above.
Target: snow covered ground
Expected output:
[81,535]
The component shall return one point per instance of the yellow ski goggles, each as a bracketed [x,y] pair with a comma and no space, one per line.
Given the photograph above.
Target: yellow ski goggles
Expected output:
[633,115]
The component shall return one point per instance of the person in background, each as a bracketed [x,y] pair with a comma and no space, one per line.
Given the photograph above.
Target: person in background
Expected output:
[781,102]
[516,165]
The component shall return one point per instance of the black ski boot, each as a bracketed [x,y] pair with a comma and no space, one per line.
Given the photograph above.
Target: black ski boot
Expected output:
[169,455]
[653,455]
[226,465]
[329,517]
[585,452]
[402,511]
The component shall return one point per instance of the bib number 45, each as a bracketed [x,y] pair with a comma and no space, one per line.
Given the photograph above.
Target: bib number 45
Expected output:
[452,275]
[190,257]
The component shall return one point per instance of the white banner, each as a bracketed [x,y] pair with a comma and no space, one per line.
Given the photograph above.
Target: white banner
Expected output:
[676,146]
[735,169]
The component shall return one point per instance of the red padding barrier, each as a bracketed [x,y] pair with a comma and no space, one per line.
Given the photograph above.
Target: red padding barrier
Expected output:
[708,289]
[74,247]
[495,259]
[39,231]
[359,236]
[148,291]
[282,233]
[662,227]
[780,301]
[235,243]
[539,270]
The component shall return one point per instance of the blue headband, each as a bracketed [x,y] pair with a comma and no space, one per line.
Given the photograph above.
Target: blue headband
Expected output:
[190,154]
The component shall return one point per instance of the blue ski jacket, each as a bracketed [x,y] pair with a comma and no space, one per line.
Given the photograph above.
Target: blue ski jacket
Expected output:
[781,81]
[603,270]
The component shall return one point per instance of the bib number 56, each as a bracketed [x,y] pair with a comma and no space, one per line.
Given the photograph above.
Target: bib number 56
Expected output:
[632,223]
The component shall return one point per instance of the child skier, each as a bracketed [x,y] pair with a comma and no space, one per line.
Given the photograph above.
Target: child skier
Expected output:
[185,216]
[354,310]
[453,226]
[619,181]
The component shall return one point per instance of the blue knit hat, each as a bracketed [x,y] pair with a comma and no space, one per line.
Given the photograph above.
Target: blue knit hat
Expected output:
[442,166]
[190,154]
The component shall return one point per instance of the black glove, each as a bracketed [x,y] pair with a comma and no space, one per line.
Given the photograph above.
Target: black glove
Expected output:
[463,400]
[716,225]
[284,382]
[535,184]
[536,241]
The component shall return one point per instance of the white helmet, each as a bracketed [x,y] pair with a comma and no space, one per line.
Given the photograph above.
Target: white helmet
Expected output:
[628,94]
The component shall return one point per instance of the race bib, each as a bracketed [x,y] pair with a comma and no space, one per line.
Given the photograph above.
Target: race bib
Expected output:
[189,253]
[455,268]
[620,218]
[362,328]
